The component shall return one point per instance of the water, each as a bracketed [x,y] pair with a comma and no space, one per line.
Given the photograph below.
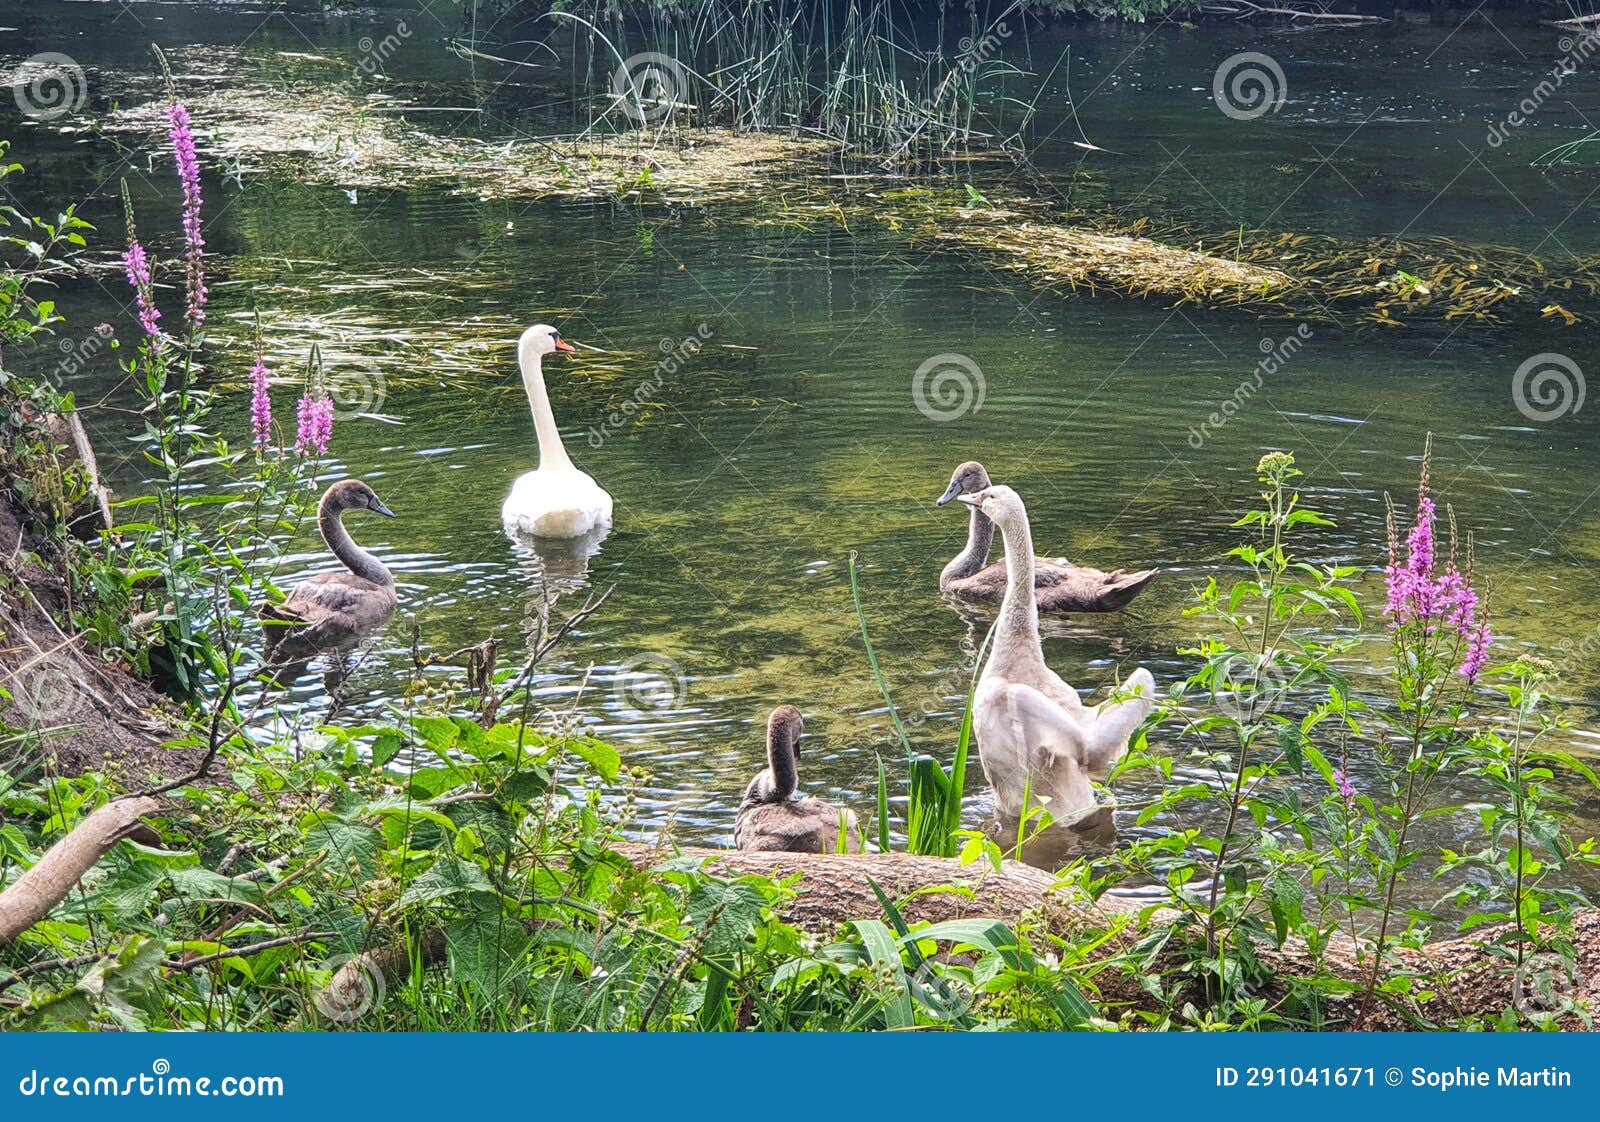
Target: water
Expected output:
[791,440]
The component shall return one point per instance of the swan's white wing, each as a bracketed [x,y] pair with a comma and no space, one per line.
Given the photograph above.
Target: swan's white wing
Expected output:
[1059,690]
[1029,745]
[556,503]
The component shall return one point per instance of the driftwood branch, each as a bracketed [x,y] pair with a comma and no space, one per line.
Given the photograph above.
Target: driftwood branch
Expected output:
[1243,8]
[45,885]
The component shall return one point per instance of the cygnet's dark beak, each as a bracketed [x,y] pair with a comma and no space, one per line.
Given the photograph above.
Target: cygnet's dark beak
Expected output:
[950,492]
[377,505]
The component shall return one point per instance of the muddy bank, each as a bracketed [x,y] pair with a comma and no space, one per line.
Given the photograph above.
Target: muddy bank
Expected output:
[71,710]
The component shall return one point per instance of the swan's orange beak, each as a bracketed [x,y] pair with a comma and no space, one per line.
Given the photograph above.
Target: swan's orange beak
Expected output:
[563,345]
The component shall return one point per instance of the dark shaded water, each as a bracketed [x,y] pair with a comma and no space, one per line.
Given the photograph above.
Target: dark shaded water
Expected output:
[793,439]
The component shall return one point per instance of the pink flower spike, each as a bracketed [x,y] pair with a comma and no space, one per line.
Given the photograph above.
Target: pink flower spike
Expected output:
[1347,790]
[182,137]
[1477,653]
[260,403]
[136,265]
[313,424]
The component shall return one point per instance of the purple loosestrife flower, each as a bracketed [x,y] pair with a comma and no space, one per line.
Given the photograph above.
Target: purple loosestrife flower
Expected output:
[1477,653]
[1419,594]
[1347,790]
[313,424]
[260,403]
[136,264]
[194,244]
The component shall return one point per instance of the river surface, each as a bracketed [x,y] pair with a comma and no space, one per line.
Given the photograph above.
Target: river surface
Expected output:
[792,440]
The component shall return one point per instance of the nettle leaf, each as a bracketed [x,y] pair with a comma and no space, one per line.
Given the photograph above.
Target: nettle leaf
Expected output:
[128,891]
[197,881]
[606,760]
[353,847]
[1286,900]
[1291,742]
[386,747]
[486,949]
[736,908]
[438,733]
[448,876]
[115,987]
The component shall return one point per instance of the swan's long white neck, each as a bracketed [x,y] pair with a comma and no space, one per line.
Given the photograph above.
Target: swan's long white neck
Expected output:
[552,453]
[1017,631]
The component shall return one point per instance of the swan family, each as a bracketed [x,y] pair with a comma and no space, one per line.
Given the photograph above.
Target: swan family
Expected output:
[1038,744]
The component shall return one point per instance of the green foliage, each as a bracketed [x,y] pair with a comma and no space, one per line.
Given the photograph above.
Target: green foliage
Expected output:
[933,808]
[1267,705]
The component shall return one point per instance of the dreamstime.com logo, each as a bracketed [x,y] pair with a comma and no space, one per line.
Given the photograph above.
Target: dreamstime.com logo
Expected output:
[938,995]
[1545,985]
[947,387]
[1245,694]
[46,691]
[1249,85]
[1547,387]
[356,392]
[157,1083]
[49,86]
[675,354]
[648,86]
[649,683]
[356,989]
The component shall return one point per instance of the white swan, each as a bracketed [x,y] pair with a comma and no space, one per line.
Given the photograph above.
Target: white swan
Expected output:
[1034,733]
[557,500]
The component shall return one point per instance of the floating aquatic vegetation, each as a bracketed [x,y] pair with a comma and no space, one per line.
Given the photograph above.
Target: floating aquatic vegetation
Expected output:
[341,137]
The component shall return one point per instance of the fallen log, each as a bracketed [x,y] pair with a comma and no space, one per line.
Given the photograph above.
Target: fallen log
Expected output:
[45,885]
[1464,980]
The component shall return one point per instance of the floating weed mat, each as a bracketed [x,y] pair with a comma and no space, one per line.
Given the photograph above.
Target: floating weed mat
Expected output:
[1389,282]
[1022,235]
[1272,273]
[339,137]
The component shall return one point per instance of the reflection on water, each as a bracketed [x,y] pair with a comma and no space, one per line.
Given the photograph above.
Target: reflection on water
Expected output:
[791,440]
[1088,834]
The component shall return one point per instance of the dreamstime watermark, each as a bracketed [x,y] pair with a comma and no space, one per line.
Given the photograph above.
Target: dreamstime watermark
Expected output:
[1274,356]
[356,989]
[47,690]
[1247,692]
[356,392]
[1547,387]
[49,86]
[649,683]
[674,354]
[158,1082]
[941,997]
[970,55]
[76,354]
[649,86]
[1545,985]
[1575,51]
[1249,85]
[1570,655]
[947,387]
[376,52]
